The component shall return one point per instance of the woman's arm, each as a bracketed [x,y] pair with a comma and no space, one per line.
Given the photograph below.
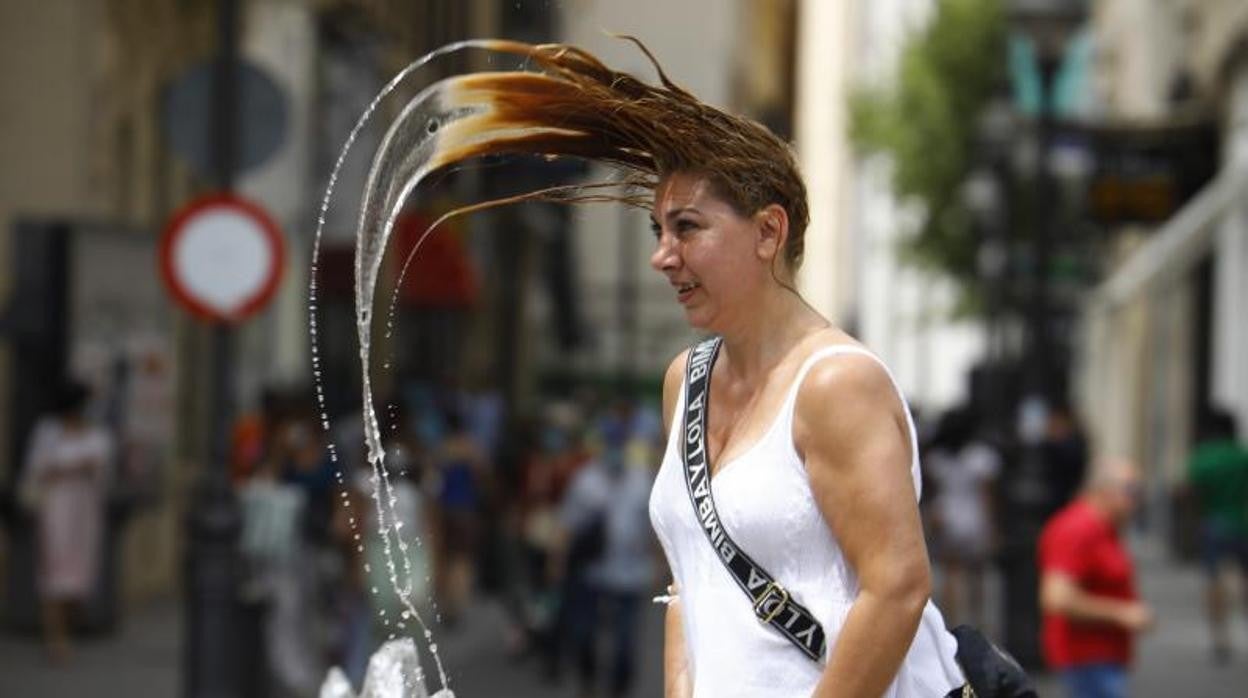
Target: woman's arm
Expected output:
[677,683]
[676,680]
[850,428]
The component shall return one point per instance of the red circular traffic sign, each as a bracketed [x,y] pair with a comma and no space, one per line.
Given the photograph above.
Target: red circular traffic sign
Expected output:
[222,257]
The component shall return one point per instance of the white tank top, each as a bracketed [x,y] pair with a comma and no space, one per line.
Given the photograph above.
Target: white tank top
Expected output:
[764,501]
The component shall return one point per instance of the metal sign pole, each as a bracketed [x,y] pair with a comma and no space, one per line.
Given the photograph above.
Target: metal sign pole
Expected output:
[212,647]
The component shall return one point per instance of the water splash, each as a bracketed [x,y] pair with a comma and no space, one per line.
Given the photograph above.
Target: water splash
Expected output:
[417,143]
[383,500]
[536,109]
[393,672]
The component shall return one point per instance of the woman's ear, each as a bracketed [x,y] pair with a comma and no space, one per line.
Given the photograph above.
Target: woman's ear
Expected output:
[773,231]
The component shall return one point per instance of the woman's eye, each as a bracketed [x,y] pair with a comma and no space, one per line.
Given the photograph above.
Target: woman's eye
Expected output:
[679,228]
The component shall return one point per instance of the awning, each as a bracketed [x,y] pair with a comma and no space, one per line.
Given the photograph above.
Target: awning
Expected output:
[1178,245]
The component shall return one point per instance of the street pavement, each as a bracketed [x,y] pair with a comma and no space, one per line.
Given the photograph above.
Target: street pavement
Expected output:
[1175,659]
[478,664]
[143,660]
[143,657]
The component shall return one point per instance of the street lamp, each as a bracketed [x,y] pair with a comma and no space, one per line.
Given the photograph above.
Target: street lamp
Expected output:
[1048,25]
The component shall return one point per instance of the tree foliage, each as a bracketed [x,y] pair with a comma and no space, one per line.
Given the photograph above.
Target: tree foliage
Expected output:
[926,122]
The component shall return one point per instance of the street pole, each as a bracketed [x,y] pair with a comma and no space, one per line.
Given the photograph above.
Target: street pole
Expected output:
[1028,490]
[1046,206]
[212,640]
[1048,24]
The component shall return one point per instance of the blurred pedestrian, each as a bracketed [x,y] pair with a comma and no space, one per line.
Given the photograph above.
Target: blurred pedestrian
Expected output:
[278,581]
[460,469]
[537,508]
[963,470]
[354,639]
[303,460]
[1065,449]
[1092,610]
[253,434]
[64,483]
[1218,472]
[609,561]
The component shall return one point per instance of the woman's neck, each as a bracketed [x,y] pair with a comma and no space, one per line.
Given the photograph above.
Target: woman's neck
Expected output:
[767,332]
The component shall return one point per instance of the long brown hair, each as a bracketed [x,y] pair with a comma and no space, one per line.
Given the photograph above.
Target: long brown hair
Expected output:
[577,106]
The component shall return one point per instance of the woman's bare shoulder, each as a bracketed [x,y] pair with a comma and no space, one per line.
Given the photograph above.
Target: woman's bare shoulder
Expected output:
[844,394]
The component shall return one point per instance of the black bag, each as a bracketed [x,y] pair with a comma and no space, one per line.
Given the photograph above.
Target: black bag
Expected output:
[990,670]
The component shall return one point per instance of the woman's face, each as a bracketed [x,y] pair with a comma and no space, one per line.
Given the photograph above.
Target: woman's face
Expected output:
[714,258]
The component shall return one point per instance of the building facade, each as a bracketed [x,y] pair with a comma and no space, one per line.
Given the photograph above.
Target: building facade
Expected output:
[853,271]
[1166,335]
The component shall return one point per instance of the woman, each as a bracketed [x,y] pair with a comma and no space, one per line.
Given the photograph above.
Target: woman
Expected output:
[812,464]
[64,482]
[811,446]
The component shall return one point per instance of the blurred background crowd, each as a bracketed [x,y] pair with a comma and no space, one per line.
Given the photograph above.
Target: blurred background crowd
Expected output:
[544,521]
[1033,210]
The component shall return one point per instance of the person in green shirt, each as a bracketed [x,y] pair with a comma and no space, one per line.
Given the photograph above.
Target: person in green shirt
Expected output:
[1218,472]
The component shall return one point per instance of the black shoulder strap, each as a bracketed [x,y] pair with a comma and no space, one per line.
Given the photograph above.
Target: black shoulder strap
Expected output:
[772,603]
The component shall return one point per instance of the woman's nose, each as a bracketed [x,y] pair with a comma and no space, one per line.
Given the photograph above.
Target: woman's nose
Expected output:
[664,256]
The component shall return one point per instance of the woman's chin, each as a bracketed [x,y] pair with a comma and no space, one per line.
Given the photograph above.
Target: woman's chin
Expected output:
[698,318]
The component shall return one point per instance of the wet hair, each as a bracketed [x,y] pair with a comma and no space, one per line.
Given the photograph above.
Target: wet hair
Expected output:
[577,106]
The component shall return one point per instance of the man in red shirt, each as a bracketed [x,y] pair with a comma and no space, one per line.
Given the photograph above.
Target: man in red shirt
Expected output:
[1087,585]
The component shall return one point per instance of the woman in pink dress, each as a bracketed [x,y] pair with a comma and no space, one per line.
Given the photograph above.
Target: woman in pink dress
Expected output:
[64,482]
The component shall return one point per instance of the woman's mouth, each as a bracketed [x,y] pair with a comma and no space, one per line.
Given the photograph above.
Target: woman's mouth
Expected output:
[685,290]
